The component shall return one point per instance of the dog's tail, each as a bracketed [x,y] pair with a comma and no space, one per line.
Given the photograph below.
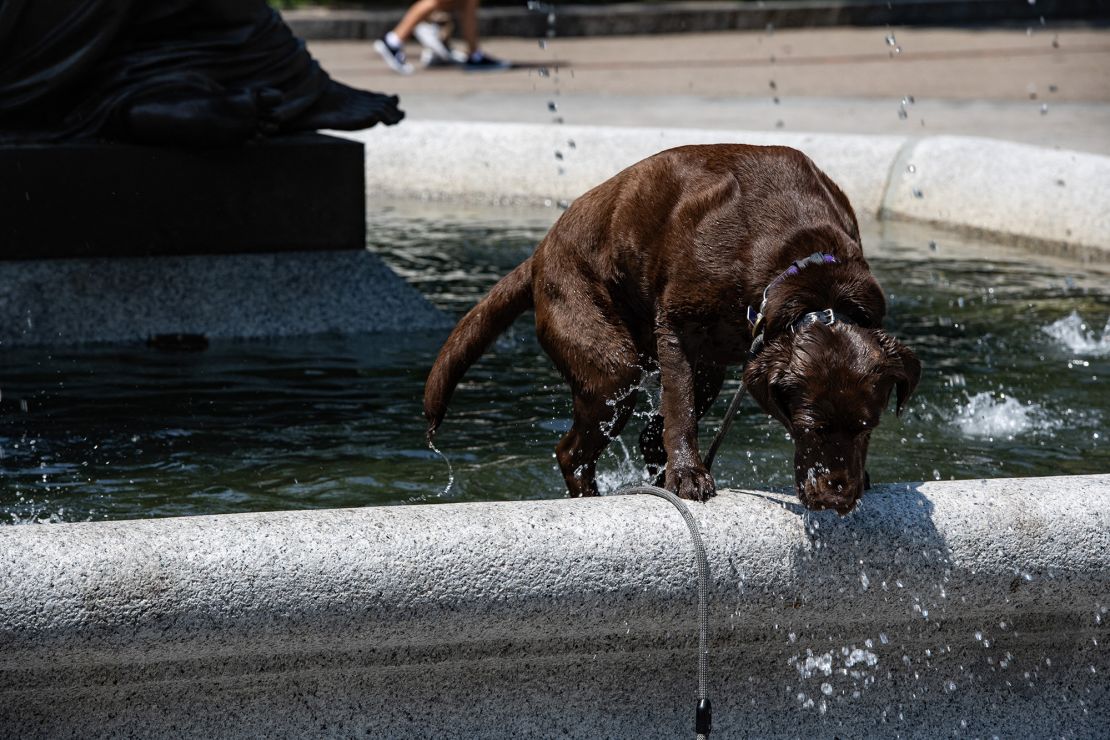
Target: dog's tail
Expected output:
[511,297]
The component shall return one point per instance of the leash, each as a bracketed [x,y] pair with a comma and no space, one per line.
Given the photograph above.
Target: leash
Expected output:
[730,414]
[703,715]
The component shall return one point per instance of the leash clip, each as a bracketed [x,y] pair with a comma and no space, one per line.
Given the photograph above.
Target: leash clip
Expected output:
[755,319]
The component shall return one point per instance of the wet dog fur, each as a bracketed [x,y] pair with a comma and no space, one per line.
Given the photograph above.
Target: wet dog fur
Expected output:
[655,268]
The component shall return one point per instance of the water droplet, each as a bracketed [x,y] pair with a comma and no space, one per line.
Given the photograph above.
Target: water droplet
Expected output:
[543,43]
[1044,108]
[933,245]
[826,689]
[910,168]
[552,106]
[917,193]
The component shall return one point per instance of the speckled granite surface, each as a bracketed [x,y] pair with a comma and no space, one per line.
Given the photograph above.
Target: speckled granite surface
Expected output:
[965,608]
[235,295]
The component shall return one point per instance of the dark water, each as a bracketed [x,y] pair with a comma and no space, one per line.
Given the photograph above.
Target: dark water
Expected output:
[1013,386]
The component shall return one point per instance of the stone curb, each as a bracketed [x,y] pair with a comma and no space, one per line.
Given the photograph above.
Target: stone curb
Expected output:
[1007,192]
[480,620]
[690,17]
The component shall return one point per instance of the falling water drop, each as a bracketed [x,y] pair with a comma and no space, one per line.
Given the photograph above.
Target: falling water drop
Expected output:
[450,468]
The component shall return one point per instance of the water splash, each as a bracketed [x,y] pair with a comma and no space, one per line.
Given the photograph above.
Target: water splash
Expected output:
[627,471]
[856,655]
[986,415]
[1073,333]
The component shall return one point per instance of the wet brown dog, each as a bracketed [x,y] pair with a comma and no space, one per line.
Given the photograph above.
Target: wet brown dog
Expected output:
[657,266]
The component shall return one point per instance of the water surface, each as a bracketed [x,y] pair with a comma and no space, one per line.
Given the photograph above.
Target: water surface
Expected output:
[1016,350]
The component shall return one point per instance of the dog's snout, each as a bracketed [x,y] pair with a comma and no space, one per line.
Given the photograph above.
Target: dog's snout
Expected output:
[836,490]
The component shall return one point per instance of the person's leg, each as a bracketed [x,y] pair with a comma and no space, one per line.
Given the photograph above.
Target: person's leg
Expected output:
[468,21]
[417,12]
[391,46]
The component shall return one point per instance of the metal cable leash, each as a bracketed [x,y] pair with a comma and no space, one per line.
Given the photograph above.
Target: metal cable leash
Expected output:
[703,722]
[726,422]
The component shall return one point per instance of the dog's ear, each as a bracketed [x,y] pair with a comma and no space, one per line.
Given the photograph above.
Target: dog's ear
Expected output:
[901,365]
[763,378]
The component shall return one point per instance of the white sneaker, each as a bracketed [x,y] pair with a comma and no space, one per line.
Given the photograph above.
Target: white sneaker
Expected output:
[395,58]
[428,36]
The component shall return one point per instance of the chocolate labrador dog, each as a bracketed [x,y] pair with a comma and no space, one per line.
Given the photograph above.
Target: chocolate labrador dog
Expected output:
[692,260]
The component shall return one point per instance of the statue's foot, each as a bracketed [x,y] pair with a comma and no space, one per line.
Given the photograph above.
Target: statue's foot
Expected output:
[348,109]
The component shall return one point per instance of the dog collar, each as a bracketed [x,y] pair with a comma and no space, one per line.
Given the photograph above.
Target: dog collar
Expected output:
[827,316]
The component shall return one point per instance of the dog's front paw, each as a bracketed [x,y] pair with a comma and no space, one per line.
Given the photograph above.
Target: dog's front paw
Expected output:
[691,483]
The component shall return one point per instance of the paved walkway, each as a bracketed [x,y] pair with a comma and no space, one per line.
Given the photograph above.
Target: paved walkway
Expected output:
[1046,86]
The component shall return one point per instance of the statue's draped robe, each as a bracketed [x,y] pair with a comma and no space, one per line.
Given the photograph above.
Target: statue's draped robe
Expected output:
[203,71]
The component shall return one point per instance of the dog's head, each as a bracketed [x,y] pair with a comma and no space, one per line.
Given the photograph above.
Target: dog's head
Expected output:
[829,385]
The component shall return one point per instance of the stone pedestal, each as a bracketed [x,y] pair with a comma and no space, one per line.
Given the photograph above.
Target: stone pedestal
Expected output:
[120,243]
[89,199]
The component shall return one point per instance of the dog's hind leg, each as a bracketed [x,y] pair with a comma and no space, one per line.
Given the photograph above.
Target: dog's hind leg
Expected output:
[599,361]
[597,420]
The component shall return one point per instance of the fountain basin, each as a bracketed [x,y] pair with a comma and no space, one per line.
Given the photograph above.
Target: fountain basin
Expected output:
[934,608]
[1012,193]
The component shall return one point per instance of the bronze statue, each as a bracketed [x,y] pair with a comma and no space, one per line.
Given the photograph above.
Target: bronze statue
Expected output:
[176,72]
